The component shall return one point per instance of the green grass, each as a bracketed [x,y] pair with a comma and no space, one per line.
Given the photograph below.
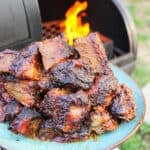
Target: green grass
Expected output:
[143,37]
[137,20]
[141,73]
[137,142]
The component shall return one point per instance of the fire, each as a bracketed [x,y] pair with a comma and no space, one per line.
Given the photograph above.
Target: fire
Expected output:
[73,26]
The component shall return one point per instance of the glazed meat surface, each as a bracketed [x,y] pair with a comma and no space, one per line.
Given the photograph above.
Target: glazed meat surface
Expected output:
[67,110]
[57,92]
[103,90]
[6,59]
[24,92]
[74,74]
[54,51]
[27,122]
[26,64]
[91,47]
[123,105]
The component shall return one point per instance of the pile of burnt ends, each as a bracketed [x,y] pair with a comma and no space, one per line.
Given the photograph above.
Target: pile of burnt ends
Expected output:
[63,93]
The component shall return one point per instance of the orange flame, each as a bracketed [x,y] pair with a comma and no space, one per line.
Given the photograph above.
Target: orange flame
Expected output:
[74,28]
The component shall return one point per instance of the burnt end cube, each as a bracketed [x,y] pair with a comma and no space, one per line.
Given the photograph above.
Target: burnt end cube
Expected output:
[11,110]
[6,58]
[24,92]
[67,110]
[54,51]
[26,64]
[103,90]
[123,104]
[74,74]
[27,122]
[92,48]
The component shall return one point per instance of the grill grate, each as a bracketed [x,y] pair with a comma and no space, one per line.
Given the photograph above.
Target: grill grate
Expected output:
[51,29]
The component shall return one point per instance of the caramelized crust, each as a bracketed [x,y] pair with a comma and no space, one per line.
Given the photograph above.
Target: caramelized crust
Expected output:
[24,92]
[26,64]
[74,74]
[66,109]
[54,51]
[103,90]
[123,106]
[91,47]
[27,122]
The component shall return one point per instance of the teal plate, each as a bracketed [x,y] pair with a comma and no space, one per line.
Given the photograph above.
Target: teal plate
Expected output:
[105,141]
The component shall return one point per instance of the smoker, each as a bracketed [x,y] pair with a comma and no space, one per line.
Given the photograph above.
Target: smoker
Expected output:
[25,21]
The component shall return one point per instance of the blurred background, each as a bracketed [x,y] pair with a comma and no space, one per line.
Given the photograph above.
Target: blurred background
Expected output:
[140,12]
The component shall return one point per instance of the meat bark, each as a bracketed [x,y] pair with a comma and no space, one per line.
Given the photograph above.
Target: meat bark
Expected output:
[54,51]
[27,65]
[123,105]
[27,122]
[25,92]
[67,110]
[103,90]
[74,74]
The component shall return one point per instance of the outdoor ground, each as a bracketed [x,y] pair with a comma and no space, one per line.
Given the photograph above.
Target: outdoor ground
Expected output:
[140,12]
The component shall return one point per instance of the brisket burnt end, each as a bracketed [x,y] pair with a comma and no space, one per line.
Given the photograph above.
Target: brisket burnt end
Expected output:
[27,65]
[27,122]
[74,74]
[67,110]
[54,51]
[123,105]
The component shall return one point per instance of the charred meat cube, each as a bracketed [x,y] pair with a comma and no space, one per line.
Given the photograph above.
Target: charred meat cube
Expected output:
[27,122]
[6,58]
[54,51]
[102,121]
[24,92]
[47,130]
[12,109]
[67,110]
[74,74]
[123,104]
[4,96]
[92,48]
[26,65]
[103,90]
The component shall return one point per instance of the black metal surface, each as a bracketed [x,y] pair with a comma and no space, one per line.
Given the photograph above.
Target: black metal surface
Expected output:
[20,23]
